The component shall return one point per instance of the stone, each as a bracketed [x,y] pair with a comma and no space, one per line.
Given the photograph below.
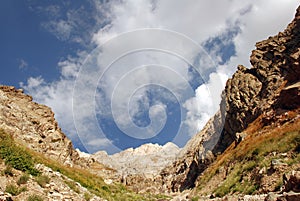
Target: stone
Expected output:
[292,182]
[139,168]
[271,197]
[34,124]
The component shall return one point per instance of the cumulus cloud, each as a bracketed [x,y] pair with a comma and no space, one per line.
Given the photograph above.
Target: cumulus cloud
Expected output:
[205,103]
[112,80]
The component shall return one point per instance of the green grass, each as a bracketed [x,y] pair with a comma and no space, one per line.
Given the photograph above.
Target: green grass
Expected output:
[72,185]
[35,197]
[24,159]
[23,179]
[16,156]
[8,171]
[256,157]
[250,154]
[14,190]
[42,180]
[87,196]
[195,198]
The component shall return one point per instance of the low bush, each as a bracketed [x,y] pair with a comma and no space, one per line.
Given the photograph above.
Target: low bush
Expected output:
[23,179]
[14,190]
[72,185]
[42,180]
[16,156]
[8,171]
[87,196]
[35,197]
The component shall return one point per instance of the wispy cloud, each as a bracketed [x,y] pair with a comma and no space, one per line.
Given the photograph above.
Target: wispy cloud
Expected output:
[22,64]
[72,22]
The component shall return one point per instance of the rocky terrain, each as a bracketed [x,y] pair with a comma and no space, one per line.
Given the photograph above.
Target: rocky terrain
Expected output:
[30,135]
[267,92]
[34,125]
[137,168]
[51,186]
[249,150]
[148,159]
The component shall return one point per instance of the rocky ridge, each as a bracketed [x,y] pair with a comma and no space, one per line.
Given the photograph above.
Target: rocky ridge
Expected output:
[137,168]
[34,125]
[269,88]
[148,159]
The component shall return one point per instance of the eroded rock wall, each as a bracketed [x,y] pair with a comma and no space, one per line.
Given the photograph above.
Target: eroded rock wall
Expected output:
[34,125]
[249,93]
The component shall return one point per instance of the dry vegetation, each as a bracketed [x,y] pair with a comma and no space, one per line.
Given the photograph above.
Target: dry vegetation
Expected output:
[239,169]
[17,157]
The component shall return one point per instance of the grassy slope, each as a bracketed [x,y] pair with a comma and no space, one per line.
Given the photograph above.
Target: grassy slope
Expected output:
[236,170]
[24,159]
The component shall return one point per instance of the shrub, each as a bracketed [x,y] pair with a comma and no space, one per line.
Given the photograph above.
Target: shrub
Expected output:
[73,186]
[34,198]
[16,156]
[195,198]
[87,196]
[8,171]
[14,190]
[23,179]
[42,180]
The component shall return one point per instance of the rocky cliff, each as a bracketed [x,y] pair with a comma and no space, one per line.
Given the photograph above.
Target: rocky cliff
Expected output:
[137,168]
[34,125]
[148,159]
[268,89]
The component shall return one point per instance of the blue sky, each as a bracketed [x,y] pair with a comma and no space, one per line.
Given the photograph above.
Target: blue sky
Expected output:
[122,73]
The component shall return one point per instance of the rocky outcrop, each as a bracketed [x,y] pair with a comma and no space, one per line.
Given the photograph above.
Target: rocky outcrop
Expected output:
[193,158]
[292,182]
[146,159]
[252,92]
[139,168]
[270,86]
[34,125]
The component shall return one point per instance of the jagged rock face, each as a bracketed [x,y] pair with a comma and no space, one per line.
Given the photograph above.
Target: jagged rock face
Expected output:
[139,168]
[272,83]
[193,158]
[252,92]
[146,159]
[34,125]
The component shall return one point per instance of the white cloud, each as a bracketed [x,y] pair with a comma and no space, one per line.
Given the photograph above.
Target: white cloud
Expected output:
[119,73]
[99,142]
[205,103]
[61,29]
[265,19]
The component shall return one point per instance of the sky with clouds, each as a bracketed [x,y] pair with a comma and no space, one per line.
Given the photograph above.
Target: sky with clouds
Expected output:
[118,74]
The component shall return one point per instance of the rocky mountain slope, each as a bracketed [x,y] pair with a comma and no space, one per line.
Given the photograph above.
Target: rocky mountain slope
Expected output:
[137,168]
[33,148]
[34,125]
[148,159]
[268,91]
[51,186]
